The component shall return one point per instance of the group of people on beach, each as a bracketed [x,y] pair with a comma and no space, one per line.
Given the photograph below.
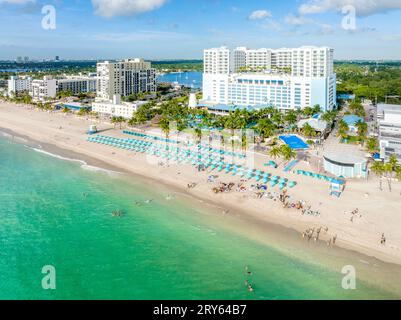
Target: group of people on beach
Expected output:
[314,233]
[354,214]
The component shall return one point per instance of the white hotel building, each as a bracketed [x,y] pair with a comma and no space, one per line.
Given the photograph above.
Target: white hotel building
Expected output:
[307,80]
[18,84]
[48,87]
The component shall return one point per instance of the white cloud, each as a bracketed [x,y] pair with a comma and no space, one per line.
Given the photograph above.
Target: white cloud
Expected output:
[112,8]
[17,1]
[259,15]
[296,20]
[363,7]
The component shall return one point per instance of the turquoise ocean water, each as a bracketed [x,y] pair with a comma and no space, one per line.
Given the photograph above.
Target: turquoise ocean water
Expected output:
[159,250]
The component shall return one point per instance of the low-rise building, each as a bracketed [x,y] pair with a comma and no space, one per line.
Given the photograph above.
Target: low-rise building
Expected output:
[316,123]
[389,123]
[116,107]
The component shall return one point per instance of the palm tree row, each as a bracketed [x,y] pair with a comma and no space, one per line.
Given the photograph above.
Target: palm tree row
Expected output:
[283,151]
[387,170]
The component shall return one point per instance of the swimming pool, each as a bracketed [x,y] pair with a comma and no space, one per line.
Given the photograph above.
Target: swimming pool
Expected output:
[294,142]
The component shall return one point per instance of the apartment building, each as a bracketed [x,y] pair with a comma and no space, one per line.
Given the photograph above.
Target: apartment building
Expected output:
[130,76]
[18,84]
[42,89]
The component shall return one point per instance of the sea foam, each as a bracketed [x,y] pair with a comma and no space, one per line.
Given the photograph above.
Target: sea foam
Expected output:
[84,164]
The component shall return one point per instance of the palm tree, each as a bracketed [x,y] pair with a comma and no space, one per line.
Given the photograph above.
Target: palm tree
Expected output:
[362,130]
[330,116]
[372,145]
[316,109]
[291,118]
[120,120]
[388,169]
[398,172]
[378,169]
[114,121]
[343,129]
[287,152]
[308,130]
[266,128]
[275,152]
[393,162]
[165,125]
[198,134]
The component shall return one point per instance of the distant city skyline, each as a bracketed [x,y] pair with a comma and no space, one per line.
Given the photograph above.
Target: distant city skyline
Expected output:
[178,29]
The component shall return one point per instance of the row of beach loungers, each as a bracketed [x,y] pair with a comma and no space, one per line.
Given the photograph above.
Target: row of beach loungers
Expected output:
[150,137]
[315,175]
[200,146]
[200,158]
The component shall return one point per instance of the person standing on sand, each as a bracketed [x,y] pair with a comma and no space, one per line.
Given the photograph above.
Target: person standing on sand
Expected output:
[383,239]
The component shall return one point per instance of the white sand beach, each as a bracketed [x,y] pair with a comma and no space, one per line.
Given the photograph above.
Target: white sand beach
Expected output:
[378,211]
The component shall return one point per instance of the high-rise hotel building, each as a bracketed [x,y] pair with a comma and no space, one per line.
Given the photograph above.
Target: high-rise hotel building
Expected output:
[130,76]
[284,78]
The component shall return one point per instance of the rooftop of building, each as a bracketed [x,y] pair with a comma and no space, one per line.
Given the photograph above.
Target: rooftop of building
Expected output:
[278,49]
[392,108]
[343,153]
[315,123]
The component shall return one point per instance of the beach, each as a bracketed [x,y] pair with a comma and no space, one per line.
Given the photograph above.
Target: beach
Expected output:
[378,211]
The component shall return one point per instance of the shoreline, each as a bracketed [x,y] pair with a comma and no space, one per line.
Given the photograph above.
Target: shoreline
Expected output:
[68,145]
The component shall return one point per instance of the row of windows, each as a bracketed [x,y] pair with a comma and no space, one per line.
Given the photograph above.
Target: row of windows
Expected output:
[267,82]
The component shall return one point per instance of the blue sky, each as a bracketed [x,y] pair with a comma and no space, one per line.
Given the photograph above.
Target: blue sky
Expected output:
[181,29]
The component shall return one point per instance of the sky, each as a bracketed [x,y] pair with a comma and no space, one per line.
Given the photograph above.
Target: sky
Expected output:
[181,29]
